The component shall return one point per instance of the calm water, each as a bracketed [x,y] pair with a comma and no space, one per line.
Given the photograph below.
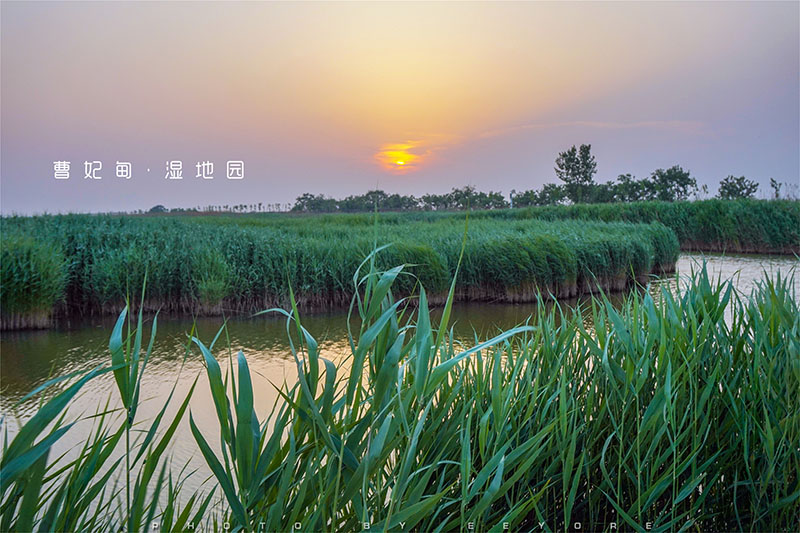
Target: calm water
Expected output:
[29,358]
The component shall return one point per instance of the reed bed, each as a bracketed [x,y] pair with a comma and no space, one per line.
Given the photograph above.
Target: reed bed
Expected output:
[32,279]
[676,412]
[715,225]
[732,226]
[216,265]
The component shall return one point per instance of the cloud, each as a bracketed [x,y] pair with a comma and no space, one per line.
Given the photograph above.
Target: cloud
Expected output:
[690,127]
[411,155]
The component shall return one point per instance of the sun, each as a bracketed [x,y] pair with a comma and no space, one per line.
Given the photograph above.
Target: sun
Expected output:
[401,158]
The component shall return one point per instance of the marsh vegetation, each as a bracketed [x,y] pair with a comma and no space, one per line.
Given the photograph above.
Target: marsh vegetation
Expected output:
[679,410]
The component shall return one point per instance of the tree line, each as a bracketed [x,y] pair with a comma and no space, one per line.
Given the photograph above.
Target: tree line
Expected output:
[575,168]
[458,198]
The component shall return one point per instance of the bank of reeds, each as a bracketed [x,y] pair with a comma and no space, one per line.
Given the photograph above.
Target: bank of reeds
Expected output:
[732,226]
[32,280]
[678,412]
[211,266]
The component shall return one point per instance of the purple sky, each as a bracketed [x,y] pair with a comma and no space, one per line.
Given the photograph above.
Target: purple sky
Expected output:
[332,98]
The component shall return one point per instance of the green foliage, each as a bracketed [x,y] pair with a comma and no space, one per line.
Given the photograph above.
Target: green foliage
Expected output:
[550,194]
[206,264]
[671,185]
[629,189]
[244,263]
[212,275]
[457,199]
[107,483]
[31,274]
[576,168]
[709,225]
[775,185]
[677,410]
[732,188]
[309,203]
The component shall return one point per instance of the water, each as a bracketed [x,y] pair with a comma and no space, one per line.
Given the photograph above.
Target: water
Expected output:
[30,358]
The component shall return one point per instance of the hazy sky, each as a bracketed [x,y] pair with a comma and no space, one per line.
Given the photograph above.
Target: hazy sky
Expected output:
[410,97]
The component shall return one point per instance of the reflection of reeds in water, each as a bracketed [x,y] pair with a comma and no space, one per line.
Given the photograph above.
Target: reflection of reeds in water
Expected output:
[662,412]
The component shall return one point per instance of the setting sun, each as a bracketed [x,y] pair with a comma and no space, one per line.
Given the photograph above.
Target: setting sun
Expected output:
[401,158]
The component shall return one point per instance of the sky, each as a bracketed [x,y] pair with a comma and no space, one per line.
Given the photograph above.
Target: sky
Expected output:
[413,98]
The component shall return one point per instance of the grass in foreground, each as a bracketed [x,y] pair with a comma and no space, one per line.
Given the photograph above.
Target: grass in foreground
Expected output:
[666,412]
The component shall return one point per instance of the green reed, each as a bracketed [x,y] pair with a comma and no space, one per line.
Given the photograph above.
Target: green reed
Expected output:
[32,279]
[192,262]
[750,226]
[679,411]
[714,225]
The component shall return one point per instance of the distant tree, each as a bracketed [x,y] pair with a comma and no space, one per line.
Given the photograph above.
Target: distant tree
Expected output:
[549,194]
[628,189]
[310,203]
[460,198]
[670,185]
[576,168]
[732,188]
[776,188]
[434,202]
[524,198]
[601,193]
[158,209]
[466,198]
[495,200]
[398,202]
[376,198]
[552,194]
[379,198]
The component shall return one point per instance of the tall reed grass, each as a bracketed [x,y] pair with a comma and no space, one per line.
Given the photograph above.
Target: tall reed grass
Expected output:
[203,265]
[715,225]
[732,226]
[675,412]
[32,279]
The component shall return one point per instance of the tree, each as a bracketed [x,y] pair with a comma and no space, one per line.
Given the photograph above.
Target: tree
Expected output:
[601,193]
[549,194]
[576,168]
[732,188]
[524,198]
[314,204]
[628,189]
[776,188]
[670,185]
[158,209]
[494,200]
[552,194]
[435,202]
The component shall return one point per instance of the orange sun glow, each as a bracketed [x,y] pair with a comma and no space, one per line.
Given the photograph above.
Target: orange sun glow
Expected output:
[399,158]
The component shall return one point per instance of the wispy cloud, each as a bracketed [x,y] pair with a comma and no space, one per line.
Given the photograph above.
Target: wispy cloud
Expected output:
[420,150]
[690,127]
